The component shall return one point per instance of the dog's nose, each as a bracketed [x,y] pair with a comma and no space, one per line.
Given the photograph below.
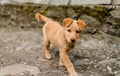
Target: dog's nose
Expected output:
[72,40]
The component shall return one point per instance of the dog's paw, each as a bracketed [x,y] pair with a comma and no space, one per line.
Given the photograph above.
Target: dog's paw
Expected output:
[75,74]
[61,64]
[48,56]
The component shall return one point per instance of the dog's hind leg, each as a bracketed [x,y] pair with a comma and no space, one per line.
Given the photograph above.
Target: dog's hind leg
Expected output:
[46,48]
[46,45]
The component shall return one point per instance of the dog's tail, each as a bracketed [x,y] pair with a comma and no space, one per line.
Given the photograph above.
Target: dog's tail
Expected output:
[39,17]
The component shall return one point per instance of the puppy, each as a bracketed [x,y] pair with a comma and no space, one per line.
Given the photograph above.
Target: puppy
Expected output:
[63,37]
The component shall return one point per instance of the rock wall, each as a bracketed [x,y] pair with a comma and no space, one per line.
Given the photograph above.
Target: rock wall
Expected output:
[107,19]
[61,2]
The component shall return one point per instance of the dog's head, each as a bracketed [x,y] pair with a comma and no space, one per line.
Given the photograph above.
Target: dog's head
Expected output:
[72,29]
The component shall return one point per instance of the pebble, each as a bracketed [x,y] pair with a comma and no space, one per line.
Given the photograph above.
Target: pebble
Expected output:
[109,69]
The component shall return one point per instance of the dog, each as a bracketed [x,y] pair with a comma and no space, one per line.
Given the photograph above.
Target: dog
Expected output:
[63,37]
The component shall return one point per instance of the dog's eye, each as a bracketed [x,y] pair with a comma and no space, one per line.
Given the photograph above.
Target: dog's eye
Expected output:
[69,30]
[77,31]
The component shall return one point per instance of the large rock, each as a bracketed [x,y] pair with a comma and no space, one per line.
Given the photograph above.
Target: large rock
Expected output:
[79,2]
[47,2]
[115,13]
[23,1]
[116,2]
[44,1]
[92,24]
[59,2]
[17,69]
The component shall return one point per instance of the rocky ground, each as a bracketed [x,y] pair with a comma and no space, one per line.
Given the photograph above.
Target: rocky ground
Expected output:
[97,52]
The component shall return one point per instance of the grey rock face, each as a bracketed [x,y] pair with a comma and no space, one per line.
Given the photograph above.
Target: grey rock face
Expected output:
[19,69]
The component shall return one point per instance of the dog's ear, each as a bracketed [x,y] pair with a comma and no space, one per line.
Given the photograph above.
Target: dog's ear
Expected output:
[81,24]
[67,22]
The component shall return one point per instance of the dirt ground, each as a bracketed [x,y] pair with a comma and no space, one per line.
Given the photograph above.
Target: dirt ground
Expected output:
[97,52]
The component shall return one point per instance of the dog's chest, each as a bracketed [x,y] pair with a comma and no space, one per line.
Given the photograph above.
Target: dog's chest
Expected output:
[55,43]
[70,46]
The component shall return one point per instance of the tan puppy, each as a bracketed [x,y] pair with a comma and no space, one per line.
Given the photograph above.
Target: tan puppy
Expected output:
[63,37]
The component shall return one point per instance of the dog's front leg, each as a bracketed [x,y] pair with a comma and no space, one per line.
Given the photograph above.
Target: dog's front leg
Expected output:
[46,49]
[66,61]
[61,62]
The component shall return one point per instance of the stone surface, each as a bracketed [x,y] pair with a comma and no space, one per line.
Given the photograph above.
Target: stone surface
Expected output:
[20,69]
[108,61]
[115,13]
[116,2]
[59,2]
[117,75]
[79,2]
[23,1]
[47,2]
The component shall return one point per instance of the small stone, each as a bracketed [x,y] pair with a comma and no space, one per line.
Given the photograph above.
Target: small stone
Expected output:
[109,69]
[115,72]
[19,48]
[21,74]
[22,62]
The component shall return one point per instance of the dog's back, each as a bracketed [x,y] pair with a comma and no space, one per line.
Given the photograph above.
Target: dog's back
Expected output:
[50,29]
